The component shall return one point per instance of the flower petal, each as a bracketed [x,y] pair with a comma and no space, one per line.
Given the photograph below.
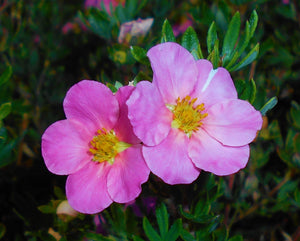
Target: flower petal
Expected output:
[174,71]
[169,160]
[123,128]
[93,104]
[210,155]
[233,122]
[65,146]
[213,85]
[87,189]
[150,118]
[127,174]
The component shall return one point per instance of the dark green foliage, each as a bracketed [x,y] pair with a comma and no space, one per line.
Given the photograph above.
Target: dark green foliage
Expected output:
[256,41]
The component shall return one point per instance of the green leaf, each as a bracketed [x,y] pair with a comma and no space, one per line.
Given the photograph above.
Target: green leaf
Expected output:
[98,237]
[136,238]
[5,76]
[231,36]
[5,109]
[249,92]
[167,33]
[211,37]
[295,114]
[47,209]
[2,230]
[186,236]
[236,238]
[174,231]
[190,40]
[214,55]
[253,22]
[296,142]
[149,230]
[140,55]
[249,58]
[269,105]
[197,53]
[118,85]
[162,219]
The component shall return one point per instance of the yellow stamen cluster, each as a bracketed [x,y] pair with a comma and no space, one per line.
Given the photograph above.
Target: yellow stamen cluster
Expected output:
[186,117]
[105,146]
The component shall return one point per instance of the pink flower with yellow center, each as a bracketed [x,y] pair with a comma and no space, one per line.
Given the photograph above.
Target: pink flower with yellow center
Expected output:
[190,118]
[96,147]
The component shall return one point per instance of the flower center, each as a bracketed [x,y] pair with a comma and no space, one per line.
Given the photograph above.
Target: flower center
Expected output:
[105,146]
[186,117]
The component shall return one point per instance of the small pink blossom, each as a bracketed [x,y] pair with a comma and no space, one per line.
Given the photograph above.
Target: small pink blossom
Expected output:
[134,28]
[182,26]
[190,118]
[285,1]
[96,147]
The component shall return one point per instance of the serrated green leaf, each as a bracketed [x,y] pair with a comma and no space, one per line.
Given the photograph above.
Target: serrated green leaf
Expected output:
[190,40]
[5,109]
[211,37]
[140,55]
[5,76]
[149,231]
[167,33]
[162,219]
[269,105]
[248,59]
[174,231]
[231,36]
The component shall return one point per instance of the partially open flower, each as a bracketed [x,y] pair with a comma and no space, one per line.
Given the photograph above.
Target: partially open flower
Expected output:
[96,147]
[64,208]
[190,118]
[135,28]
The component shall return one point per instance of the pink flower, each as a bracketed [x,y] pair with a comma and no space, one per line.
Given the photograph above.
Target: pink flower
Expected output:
[285,1]
[96,147]
[189,118]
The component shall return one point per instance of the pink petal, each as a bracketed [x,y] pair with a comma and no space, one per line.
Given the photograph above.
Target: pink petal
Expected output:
[211,156]
[233,122]
[169,160]
[65,146]
[213,85]
[174,71]
[150,118]
[123,128]
[93,104]
[127,174]
[87,189]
